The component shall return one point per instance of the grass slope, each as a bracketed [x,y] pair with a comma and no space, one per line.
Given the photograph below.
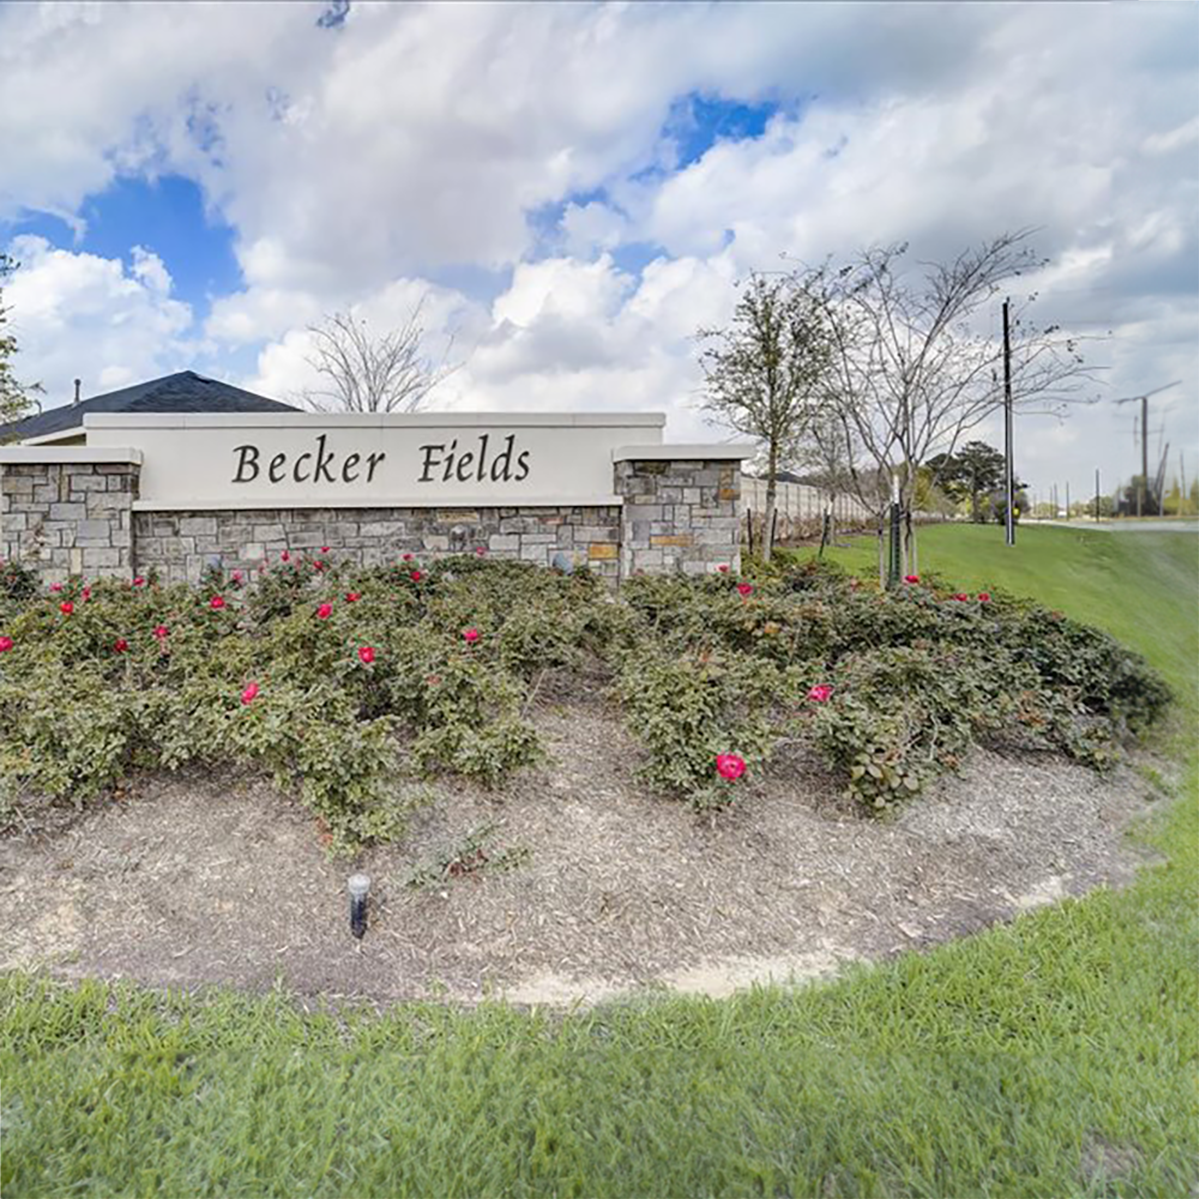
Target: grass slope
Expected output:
[1054,1056]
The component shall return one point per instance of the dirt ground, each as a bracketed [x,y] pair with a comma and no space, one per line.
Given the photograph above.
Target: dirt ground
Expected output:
[192,880]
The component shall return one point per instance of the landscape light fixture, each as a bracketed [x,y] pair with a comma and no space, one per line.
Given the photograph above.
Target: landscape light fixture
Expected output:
[358,886]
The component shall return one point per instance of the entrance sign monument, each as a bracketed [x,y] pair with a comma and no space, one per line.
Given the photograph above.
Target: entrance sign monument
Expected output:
[178,493]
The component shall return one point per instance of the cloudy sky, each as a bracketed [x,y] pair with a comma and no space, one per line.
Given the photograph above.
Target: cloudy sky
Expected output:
[575,188]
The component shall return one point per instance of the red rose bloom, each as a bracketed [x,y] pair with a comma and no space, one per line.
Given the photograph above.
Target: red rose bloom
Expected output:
[731,766]
[250,691]
[471,635]
[367,654]
[480,551]
[66,607]
[407,557]
[820,693]
[912,579]
[160,632]
[744,589]
[6,643]
[960,596]
[120,645]
[415,576]
[984,597]
[325,611]
[139,582]
[284,556]
[724,568]
[56,587]
[352,596]
[324,549]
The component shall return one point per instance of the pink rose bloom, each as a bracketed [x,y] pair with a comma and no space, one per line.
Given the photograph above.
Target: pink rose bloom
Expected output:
[6,644]
[250,691]
[471,635]
[407,557]
[86,593]
[139,582]
[325,611]
[324,549]
[56,587]
[284,556]
[744,589]
[731,766]
[160,632]
[820,693]
[480,551]
[217,602]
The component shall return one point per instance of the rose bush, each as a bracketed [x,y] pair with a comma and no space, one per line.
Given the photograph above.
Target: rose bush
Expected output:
[339,681]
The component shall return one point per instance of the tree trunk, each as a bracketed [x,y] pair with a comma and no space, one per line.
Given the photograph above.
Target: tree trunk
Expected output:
[768,533]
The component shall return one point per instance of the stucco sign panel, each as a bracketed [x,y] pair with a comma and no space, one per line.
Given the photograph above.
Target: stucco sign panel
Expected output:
[306,460]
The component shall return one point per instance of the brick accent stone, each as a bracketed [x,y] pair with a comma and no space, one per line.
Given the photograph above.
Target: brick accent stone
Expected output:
[78,518]
[69,518]
[242,540]
[678,515]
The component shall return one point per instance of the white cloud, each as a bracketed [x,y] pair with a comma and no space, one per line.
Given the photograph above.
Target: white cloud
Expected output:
[83,316]
[420,142]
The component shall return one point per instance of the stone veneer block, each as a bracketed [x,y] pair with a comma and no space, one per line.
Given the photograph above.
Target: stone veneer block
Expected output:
[67,515]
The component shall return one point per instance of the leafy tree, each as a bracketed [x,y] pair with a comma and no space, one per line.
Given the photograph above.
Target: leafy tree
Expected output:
[15,397]
[967,477]
[767,374]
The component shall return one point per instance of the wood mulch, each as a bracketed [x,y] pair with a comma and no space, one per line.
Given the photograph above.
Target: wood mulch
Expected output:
[190,880]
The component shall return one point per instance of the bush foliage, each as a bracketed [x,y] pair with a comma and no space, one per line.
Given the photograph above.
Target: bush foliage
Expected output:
[338,681]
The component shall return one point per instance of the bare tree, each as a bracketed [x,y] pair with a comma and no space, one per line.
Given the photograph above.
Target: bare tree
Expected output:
[764,375]
[916,367]
[363,372]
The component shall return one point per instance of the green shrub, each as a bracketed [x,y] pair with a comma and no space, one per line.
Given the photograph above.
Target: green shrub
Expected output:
[363,675]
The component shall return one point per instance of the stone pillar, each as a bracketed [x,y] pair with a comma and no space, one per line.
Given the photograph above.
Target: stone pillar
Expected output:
[681,508]
[69,511]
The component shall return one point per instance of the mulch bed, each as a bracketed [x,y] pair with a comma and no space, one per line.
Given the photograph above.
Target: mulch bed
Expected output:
[191,879]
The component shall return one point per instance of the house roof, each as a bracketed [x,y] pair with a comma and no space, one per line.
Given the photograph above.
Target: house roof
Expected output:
[184,392]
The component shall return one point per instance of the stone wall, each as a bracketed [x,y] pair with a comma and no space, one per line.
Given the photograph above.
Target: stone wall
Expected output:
[679,515]
[181,545]
[69,518]
[71,512]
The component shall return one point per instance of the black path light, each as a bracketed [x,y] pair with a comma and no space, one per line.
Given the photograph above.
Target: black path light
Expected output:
[358,886]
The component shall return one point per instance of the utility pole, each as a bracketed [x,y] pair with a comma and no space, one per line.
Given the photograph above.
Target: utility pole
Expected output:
[1068,499]
[1097,494]
[1145,460]
[1141,492]
[1010,533]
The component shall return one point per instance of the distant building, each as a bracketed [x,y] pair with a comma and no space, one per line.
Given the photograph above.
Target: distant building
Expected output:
[184,392]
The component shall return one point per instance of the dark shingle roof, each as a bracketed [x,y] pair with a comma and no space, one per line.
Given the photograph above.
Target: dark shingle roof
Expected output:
[185,392]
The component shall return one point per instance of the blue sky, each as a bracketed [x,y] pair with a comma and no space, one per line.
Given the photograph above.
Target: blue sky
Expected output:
[571,191]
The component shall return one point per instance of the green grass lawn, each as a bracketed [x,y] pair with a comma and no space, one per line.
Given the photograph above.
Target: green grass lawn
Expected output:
[1055,1056]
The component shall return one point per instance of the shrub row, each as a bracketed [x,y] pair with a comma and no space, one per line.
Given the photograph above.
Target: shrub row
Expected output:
[339,681]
